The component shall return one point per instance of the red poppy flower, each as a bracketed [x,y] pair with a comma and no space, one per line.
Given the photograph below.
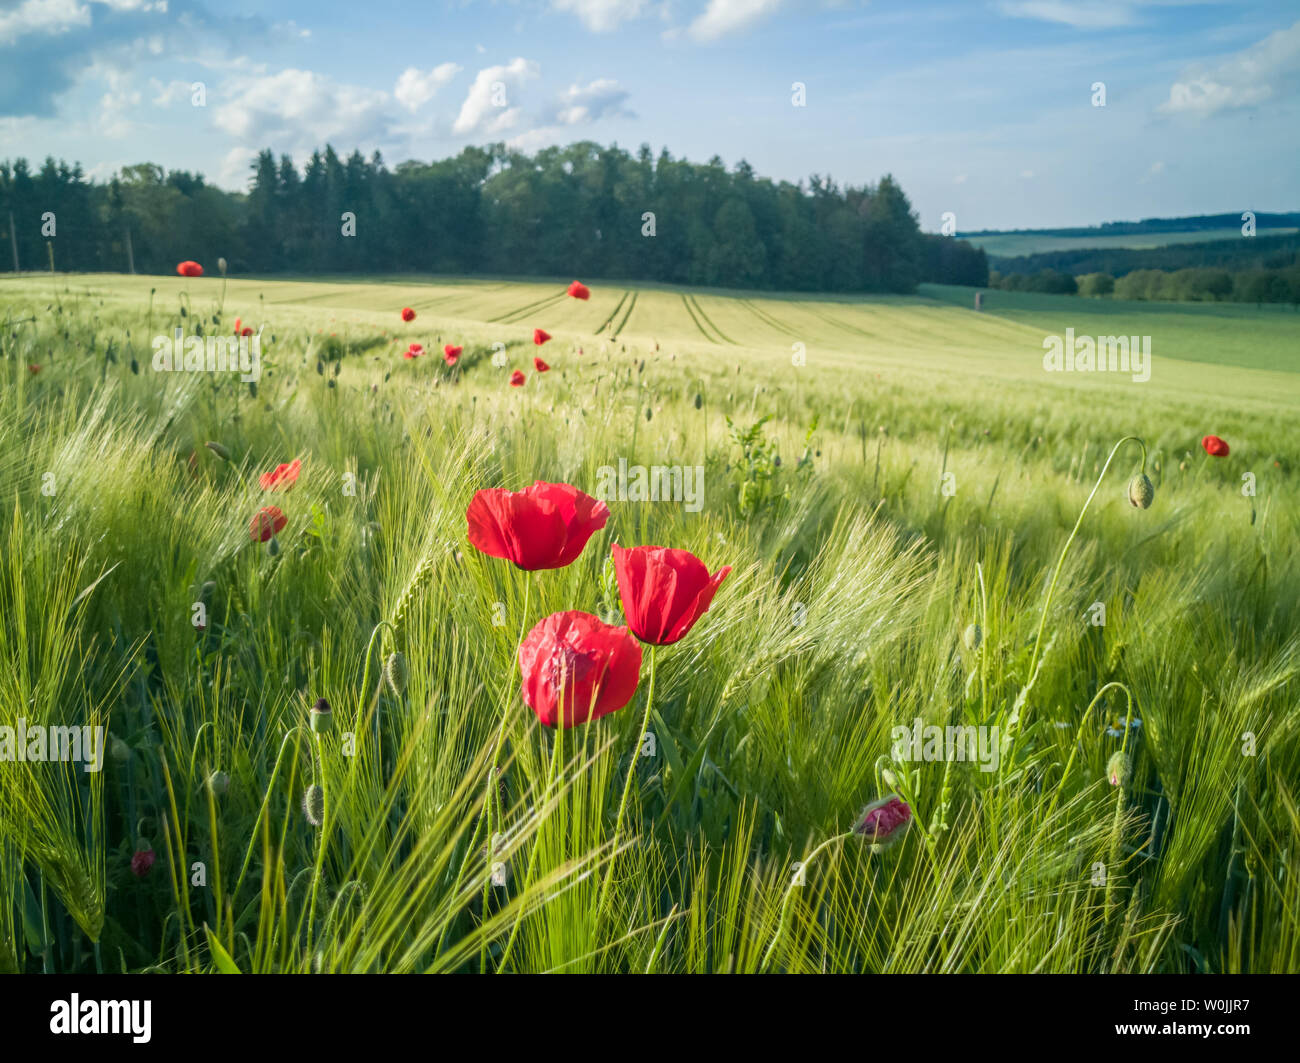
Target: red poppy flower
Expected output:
[539,365]
[579,290]
[189,269]
[577,668]
[540,336]
[268,522]
[517,379]
[141,862]
[408,314]
[1215,447]
[33,369]
[883,822]
[664,591]
[542,526]
[282,478]
[451,354]
[238,322]
[247,330]
[414,351]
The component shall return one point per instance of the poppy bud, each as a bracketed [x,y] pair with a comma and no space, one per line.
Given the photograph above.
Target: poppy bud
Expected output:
[699,400]
[118,750]
[218,783]
[143,858]
[321,717]
[884,822]
[1119,769]
[221,265]
[218,450]
[313,805]
[973,636]
[396,672]
[1141,491]
[273,547]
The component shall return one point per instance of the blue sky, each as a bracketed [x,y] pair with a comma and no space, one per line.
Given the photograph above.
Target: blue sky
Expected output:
[983,108]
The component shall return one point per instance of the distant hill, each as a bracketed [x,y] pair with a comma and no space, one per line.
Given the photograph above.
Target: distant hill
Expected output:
[1138,235]
[1234,253]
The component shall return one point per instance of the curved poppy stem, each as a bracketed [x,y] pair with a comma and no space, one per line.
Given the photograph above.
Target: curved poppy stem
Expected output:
[1078,737]
[627,788]
[789,891]
[1051,591]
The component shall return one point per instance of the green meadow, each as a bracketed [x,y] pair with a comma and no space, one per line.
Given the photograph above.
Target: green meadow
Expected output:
[926,530]
[1012,244]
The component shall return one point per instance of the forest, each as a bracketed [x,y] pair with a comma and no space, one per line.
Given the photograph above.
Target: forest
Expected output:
[601,211]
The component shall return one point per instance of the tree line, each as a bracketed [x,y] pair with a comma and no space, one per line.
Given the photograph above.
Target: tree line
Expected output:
[1194,284]
[585,209]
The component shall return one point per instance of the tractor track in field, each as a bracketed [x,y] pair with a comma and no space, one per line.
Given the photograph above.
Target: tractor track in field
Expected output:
[705,318]
[613,313]
[842,325]
[512,317]
[627,316]
[768,319]
[691,312]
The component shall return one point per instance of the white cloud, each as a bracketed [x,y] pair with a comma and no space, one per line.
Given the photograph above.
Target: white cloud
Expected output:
[728,16]
[116,103]
[601,16]
[487,108]
[52,17]
[236,168]
[416,88]
[302,109]
[42,16]
[580,104]
[1081,14]
[1246,79]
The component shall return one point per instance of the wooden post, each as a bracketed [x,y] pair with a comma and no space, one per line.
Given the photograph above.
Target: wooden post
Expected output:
[13,240]
[130,254]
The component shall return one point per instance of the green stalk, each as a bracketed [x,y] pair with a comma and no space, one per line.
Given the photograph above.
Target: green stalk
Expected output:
[627,789]
[1056,575]
[789,891]
[532,855]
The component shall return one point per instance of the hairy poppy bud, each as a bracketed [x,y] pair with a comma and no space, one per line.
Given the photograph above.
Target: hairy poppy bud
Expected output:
[321,717]
[143,858]
[973,636]
[218,783]
[699,400]
[313,805]
[1119,769]
[1141,491]
[884,822]
[218,450]
[396,672]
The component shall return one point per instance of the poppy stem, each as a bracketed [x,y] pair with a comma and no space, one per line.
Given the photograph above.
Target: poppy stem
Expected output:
[556,742]
[795,880]
[627,788]
[492,799]
[1060,563]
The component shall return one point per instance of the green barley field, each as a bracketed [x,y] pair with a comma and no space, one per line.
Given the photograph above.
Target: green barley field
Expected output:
[897,484]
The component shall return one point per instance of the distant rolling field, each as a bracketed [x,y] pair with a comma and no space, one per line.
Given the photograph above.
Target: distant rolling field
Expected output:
[1011,245]
[935,338]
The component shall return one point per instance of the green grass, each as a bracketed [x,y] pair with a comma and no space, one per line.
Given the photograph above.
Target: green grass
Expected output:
[1012,245]
[854,579]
